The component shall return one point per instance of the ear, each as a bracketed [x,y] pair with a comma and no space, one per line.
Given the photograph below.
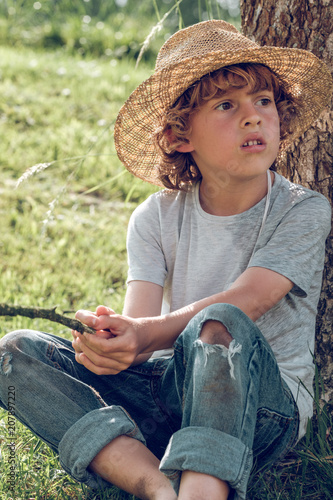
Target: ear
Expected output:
[185,147]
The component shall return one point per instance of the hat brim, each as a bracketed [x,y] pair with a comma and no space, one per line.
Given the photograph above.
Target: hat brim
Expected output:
[301,73]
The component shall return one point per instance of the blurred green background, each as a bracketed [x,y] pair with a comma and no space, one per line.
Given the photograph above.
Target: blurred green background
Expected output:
[99,28]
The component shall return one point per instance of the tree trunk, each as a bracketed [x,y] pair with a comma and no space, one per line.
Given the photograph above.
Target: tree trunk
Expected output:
[305,24]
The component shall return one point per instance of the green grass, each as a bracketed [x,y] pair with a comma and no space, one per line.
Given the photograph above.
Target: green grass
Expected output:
[95,28]
[63,237]
[63,230]
[65,248]
[101,28]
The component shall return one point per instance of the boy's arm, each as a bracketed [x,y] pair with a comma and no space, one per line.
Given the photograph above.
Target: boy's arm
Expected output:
[143,299]
[255,292]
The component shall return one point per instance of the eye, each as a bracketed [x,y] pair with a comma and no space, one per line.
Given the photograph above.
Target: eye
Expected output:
[224,106]
[264,101]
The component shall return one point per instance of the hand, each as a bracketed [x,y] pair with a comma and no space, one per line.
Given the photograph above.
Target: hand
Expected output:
[115,345]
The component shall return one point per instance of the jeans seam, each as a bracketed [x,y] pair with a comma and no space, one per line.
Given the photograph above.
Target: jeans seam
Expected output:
[49,353]
[294,435]
[293,438]
[156,369]
[52,346]
[154,383]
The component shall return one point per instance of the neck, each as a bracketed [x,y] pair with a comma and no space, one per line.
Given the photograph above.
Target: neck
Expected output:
[218,198]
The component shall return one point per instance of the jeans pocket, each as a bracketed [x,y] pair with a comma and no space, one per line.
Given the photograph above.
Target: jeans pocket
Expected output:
[275,434]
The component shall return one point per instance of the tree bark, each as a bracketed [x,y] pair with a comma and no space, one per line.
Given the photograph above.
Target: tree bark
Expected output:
[305,24]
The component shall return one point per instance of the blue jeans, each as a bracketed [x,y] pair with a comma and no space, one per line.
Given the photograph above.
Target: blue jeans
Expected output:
[209,408]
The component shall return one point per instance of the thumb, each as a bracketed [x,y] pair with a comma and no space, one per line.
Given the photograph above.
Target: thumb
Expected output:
[109,322]
[103,310]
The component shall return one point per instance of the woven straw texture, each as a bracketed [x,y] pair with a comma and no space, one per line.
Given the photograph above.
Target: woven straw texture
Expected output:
[185,58]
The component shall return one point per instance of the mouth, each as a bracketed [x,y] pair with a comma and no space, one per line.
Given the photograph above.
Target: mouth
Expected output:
[255,142]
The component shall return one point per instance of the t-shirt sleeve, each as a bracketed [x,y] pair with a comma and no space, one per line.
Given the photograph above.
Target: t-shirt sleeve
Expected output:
[296,247]
[146,259]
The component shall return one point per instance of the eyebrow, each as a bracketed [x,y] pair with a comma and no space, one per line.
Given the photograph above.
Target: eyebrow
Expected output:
[224,93]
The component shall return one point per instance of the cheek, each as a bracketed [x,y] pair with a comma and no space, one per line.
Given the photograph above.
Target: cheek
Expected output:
[273,127]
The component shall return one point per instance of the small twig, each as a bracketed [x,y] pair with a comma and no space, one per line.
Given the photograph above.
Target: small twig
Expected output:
[50,314]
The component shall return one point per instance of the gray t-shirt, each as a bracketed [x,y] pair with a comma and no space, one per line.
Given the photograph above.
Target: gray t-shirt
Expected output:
[174,243]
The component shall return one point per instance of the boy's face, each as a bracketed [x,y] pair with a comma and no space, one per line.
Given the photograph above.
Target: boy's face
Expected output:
[235,136]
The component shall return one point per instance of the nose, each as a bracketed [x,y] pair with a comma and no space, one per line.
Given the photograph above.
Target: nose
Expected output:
[250,115]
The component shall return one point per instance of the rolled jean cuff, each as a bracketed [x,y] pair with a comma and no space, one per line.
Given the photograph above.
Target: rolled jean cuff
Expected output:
[208,451]
[88,436]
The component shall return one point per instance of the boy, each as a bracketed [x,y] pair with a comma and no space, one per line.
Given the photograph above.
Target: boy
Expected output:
[232,253]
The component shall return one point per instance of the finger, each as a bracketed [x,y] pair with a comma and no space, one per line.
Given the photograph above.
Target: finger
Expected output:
[76,344]
[103,310]
[110,322]
[78,357]
[75,333]
[87,317]
[105,334]
[101,364]
[104,344]
[101,354]
[95,352]
[98,370]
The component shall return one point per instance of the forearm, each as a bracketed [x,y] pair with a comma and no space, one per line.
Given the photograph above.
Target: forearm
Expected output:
[254,292]
[161,332]
[143,302]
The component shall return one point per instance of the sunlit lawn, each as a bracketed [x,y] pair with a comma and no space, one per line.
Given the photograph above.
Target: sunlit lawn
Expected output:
[63,230]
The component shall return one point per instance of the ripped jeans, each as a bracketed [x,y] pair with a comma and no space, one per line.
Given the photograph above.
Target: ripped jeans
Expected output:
[208,408]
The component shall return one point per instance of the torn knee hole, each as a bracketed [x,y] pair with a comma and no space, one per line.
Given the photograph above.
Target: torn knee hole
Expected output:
[5,363]
[214,332]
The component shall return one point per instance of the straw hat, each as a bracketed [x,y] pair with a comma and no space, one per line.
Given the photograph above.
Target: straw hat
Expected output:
[187,56]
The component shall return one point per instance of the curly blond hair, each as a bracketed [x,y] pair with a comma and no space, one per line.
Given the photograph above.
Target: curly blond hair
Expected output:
[178,170]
